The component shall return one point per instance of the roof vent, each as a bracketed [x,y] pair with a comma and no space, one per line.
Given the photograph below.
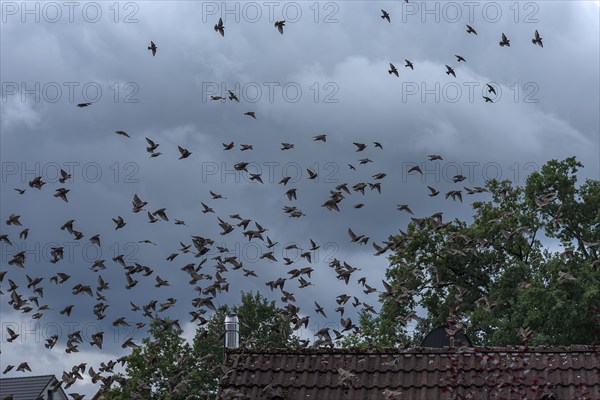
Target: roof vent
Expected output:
[232,331]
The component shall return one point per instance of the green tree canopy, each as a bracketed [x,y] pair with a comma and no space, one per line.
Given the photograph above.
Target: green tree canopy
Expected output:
[502,279]
[165,366]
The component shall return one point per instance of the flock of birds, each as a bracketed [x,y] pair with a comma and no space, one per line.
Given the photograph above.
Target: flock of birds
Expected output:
[537,40]
[211,276]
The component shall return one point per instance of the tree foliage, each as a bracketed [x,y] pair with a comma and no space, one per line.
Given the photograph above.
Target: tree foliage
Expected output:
[502,278]
[166,366]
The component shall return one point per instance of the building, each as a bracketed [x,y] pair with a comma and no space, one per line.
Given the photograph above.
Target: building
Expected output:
[540,373]
[41,387]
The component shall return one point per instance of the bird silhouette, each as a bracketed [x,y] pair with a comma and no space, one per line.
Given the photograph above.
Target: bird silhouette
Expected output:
[185,153]
[122,133]
[537,39]
[385,15]
[471,30]
[232,96]
[119,222]
[432,191]
[415,168]
[62,193]
[279,25]
[153,48]
[360,146]
[220,28]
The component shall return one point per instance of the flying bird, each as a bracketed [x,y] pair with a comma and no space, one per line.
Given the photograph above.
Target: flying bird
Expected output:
[13,219]
[393,70]
[153,48]
[450,71]
[404,207]
[537,39]
[487,99]
[62,193]
[471,30]
[360,146]
[220,28]
[250,114]
[11,335]
[64,176]
[185,153]
[504,41]
[415,168]
[119,222]
[151,145]
[83,105]
[138,204]
[433,191]
[216,196]
[95,240]
[279,25]
[233,97]
[23,367]
[409,64]
[319,309]
[122,133]
[460,58]
[491,89]
[161,212]
[206,209]
[4,238]
[385,15]
[291,194]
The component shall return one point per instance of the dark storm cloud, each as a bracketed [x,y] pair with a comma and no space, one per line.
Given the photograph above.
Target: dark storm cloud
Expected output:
[327,74]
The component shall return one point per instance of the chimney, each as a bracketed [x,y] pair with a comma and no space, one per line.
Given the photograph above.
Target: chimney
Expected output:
[232,331]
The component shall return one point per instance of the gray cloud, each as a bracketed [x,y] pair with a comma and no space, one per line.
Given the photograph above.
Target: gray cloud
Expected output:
[319,77]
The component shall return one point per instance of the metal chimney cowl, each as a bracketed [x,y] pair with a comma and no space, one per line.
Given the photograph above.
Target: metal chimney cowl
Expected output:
[232,331]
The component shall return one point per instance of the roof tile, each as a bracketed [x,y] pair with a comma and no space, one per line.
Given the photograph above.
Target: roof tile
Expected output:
[419,373]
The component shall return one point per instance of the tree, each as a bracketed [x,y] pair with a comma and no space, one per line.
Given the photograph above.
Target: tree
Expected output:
[165,366]
[500,278]
[261,325]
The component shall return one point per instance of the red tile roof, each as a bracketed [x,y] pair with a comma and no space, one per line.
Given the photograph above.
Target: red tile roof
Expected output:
[419,373]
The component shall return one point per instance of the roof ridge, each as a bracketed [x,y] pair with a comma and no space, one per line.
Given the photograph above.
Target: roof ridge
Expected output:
[28,376]
[420,350]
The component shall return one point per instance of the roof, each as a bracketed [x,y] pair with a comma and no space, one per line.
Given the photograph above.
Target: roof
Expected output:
[420,373]
[25,388]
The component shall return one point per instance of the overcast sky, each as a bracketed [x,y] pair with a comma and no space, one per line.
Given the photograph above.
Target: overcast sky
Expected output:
[327,74]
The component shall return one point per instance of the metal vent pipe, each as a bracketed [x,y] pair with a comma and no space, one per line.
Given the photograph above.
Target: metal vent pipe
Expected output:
[232,331]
